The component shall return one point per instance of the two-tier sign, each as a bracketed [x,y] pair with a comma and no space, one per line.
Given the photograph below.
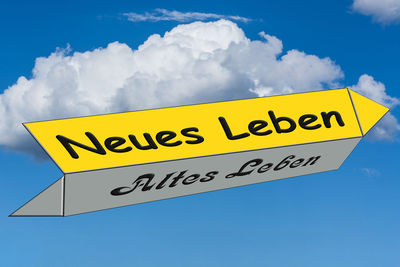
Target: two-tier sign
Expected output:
[127,158]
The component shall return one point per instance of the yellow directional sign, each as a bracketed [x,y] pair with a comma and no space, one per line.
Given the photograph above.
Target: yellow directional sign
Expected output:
[96,142]
[143,143]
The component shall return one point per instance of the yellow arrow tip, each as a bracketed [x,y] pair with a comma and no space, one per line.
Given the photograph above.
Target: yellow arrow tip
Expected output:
[368,111]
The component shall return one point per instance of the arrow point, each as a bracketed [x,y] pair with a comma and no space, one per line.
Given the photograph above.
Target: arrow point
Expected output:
[368,111]
[48,203]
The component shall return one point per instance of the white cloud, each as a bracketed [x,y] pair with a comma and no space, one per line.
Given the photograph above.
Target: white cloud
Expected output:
[383,11]
[371,172]
[160,14]
[388,127]
[193,63]
[372,89]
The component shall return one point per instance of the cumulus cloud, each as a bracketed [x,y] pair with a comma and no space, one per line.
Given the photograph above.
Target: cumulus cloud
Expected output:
[383,11]
[372,89]
[192,63]
[388,127]
[160,14]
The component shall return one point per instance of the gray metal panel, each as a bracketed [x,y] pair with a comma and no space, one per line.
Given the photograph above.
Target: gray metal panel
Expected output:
[90,191]
[48,203]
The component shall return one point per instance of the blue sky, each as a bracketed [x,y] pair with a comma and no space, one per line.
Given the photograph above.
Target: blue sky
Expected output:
[347,217]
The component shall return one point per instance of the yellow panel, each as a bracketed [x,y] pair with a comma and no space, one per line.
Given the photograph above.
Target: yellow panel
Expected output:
[368,112]
[238,114]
